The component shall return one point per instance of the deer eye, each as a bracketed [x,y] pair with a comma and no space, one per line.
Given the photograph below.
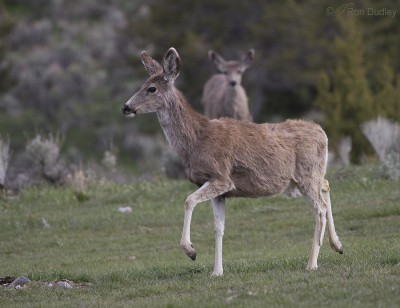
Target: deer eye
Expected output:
[239,71]
[151,89]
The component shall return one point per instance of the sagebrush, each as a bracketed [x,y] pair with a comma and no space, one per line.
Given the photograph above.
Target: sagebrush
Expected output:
[45,155]
[384,136]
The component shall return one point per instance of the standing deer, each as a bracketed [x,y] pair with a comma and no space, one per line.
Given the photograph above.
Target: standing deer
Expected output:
[223,94]
[230,158]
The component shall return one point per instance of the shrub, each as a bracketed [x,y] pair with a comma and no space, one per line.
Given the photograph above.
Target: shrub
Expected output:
[45,156]
[344,95]
[109,160]
[384,136]
[145,151]
[391,163]
[344,150]
[172,164]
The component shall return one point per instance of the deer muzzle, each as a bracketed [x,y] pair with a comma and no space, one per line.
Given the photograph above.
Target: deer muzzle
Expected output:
[128,111]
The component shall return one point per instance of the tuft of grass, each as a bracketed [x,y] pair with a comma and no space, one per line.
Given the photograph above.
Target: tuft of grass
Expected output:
[135,260]
[78,183]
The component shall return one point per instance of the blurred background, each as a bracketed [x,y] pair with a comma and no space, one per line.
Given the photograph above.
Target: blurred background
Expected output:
[66,68]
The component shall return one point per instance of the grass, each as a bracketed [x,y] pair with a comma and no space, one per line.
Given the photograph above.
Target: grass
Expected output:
[266,248]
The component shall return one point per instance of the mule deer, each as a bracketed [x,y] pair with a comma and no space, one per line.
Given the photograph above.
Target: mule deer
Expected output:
[230,158]
[223,94]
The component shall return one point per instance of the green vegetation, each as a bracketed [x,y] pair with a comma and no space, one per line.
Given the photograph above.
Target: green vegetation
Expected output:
[266,247]
[68,66]
[349,104]
[347,98]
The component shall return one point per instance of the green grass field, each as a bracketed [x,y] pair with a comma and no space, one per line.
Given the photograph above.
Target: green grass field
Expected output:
[134,260]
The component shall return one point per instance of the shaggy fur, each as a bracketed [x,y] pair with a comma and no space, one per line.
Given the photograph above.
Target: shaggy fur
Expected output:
[230,158]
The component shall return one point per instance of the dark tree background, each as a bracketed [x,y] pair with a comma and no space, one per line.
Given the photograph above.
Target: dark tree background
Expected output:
[68,66]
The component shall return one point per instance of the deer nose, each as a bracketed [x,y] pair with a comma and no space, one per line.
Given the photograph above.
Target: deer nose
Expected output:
[126,109]
[232,83]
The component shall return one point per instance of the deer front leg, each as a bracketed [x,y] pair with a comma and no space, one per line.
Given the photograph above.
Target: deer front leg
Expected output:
[209,190]
[219,226]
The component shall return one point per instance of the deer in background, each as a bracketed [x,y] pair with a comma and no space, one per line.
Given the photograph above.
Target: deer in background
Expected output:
[230,158]
[223,94]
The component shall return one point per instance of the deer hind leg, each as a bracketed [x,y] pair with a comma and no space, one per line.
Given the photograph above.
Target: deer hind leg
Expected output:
[320,209]
[333,238]
[209,190]
[218,205]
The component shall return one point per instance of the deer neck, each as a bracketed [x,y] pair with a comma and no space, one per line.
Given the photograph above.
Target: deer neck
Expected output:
[180,123]
[235,95]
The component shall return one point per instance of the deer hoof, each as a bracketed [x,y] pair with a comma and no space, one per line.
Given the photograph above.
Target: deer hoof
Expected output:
[337,246]
[216,274]
[312,267]
[192,253]
[189,250]
[193,256]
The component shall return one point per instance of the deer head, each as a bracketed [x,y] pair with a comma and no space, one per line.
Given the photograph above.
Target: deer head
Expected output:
[152,95]
[233,70]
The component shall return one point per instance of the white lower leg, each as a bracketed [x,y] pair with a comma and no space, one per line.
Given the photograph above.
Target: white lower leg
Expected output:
[208,191]
[219,225]
[186,244]
[333,238]
[320,224]
[312,262]
[218,269]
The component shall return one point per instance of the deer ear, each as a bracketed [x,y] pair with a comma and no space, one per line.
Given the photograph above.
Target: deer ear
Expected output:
[171,64]
[219,62]
[152,66]
[248,57]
